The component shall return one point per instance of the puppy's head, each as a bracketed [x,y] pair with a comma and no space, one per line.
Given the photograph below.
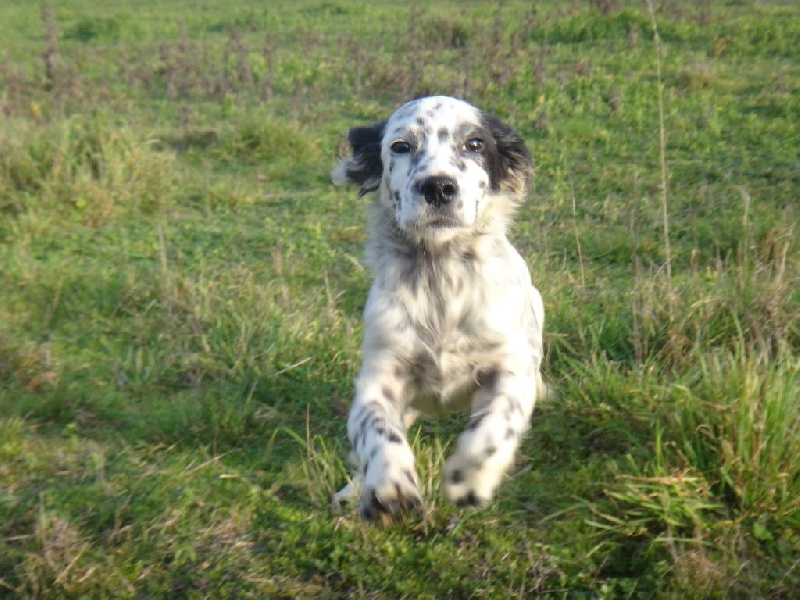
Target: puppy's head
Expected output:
[441,165]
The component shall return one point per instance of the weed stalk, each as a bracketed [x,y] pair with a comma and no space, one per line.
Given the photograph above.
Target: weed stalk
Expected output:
[662,147]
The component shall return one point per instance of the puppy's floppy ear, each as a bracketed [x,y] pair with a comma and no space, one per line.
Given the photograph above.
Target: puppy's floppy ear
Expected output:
[364,168]
[510,166]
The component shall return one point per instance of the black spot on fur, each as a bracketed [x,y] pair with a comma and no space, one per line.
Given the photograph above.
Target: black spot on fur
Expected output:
[456,477]
[510,433]
[469,500]
[443,134]
[362,425]
[394,438]
[490,450]
[374,452]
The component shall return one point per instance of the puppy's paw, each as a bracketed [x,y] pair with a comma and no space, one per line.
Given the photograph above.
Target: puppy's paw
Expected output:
[466,484]
[348,493]
[391,496]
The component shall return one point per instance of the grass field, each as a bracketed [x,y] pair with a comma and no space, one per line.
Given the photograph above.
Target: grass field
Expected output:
[181,287]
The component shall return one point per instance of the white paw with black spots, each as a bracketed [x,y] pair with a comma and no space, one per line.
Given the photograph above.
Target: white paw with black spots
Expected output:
[389,495]
[467,484]
[472,474]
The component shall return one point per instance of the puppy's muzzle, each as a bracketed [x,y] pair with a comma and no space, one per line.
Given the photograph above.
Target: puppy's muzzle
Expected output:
[438,191]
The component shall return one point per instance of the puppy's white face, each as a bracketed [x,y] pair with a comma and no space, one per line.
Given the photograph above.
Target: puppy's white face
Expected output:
[441,166]
[434,165]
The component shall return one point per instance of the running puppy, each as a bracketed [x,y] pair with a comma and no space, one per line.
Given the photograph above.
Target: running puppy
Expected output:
[452,321]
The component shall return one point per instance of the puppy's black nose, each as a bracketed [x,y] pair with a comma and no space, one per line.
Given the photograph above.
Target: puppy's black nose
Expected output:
[438,190]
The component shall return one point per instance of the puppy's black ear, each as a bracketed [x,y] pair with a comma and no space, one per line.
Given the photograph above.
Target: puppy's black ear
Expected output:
[364,168]
[509,164]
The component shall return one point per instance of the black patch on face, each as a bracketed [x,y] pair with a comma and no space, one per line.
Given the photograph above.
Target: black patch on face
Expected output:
[394,438]
[424,128]
[397,198]
[443,134]
[366,168]
[490,450]
[456,477]
[506,154]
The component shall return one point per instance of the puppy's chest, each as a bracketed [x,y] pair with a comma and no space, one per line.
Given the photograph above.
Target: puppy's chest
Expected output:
[449,340]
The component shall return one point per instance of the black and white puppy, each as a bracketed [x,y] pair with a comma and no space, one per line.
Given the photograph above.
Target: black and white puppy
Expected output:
[452,321]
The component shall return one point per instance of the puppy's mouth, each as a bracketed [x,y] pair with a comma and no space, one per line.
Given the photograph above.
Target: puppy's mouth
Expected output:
[440,222]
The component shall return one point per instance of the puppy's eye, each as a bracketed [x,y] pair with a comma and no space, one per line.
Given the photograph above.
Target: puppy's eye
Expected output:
[401,147]
[473,145]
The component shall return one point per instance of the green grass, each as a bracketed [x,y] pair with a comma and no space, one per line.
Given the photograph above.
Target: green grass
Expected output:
[182,287]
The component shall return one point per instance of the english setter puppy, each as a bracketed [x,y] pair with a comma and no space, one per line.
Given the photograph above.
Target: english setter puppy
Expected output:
[452,320]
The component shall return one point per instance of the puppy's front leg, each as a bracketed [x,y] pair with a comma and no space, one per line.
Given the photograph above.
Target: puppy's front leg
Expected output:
[501,412]
[377,430]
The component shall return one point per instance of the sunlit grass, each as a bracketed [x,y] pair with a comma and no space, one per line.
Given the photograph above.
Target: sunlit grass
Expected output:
[182,287]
